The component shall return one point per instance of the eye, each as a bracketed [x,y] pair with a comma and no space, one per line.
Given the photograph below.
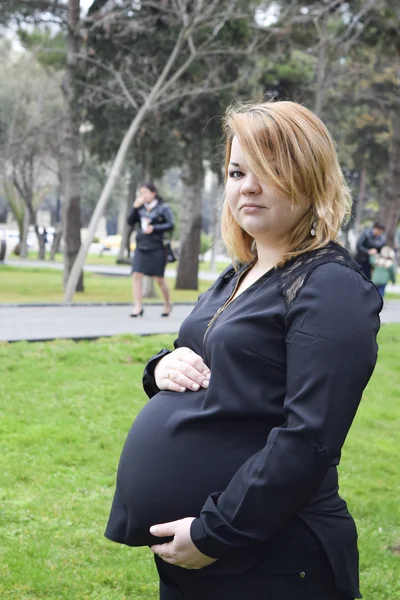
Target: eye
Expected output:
[235,174]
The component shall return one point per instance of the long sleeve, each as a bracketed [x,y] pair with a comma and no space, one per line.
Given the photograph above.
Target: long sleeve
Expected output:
[148,381]
[149,384]
[331,352]
[133,217]
[360,243]
[392,274]
[168,225]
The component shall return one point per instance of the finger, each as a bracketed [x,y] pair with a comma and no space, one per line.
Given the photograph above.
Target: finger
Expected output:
[163,530]
[167,383]
[187,355]
[189,376]
[197,364]
[194,360]
[180,382]
[163,550]
[174,380]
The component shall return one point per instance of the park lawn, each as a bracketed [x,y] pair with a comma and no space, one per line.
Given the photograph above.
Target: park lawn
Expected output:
[108,259]
[91,259]
[35,285]
[65,410]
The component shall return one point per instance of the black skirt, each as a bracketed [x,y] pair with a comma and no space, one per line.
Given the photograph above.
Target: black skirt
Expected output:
[149,262]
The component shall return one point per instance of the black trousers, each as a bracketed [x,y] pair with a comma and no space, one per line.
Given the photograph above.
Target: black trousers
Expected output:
[294,569]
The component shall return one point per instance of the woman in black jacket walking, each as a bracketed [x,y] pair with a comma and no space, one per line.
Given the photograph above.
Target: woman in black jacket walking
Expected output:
[229,472]
[154,218]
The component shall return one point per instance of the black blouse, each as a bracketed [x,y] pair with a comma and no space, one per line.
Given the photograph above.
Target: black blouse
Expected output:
[289,360]
[160,217]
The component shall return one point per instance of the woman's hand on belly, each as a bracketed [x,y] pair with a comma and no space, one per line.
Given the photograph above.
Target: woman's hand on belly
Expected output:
[181,370]
[181,551]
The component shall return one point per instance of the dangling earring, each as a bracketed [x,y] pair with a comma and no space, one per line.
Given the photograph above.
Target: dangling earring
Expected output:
[313,231]
[253,247]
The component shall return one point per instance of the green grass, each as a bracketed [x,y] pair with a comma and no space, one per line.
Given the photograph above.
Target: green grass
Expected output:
[65,409]
[92,259]
[34,285]
[107,259]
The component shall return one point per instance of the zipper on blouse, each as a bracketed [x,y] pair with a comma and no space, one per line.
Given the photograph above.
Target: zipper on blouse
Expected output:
[230,299]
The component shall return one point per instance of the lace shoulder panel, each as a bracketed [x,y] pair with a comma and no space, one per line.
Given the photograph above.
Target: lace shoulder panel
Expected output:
[295,273]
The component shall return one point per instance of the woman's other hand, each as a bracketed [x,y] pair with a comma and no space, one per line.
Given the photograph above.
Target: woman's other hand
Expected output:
[182,370]
[149,229]
[181,551]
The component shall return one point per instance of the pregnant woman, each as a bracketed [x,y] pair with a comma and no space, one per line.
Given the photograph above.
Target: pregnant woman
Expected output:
[229,473]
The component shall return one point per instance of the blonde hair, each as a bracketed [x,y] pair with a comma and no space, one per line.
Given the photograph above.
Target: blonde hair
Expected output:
[289,146]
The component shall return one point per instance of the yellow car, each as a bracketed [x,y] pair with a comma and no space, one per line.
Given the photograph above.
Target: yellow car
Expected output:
[113,242]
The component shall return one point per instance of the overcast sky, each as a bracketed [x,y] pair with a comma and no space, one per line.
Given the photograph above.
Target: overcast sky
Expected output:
[85,4]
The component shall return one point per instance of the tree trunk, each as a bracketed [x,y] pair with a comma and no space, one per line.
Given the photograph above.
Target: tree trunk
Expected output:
[321,68]
[149,290]
[390,207]
[360,201]
[41,238]
[71,161]
[189,247]
[146,166]
[216,224]
[23,252]
[154,94]
[55,247]
[104,197]
[124,252]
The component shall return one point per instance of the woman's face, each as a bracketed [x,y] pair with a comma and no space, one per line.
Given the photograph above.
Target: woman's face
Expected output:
[147,195]
[258,206]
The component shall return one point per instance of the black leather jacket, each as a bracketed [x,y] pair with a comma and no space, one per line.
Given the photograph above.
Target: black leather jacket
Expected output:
[365,242]
[161,219]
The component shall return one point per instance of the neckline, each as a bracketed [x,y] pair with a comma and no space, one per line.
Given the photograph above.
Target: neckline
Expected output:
[149,207]
[259,279]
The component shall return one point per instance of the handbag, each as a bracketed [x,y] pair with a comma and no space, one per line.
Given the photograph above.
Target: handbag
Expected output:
[170,254]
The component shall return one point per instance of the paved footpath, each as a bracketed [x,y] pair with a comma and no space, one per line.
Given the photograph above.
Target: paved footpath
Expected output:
[47,322]
[34,323]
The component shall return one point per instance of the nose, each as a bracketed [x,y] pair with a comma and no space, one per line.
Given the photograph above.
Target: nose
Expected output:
[250,185]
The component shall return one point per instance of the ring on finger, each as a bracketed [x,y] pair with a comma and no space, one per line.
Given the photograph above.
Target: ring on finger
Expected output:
[169,374]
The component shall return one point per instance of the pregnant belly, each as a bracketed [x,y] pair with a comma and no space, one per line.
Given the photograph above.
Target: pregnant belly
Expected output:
[175,455]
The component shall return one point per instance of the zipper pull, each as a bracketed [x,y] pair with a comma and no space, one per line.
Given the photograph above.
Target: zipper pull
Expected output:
[219,311]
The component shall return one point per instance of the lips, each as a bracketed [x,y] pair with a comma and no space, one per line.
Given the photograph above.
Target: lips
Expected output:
[248,205]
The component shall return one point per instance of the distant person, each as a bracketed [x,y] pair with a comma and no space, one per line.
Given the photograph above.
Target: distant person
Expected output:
[374,239]
[384,268]
[229,472]
[153,218]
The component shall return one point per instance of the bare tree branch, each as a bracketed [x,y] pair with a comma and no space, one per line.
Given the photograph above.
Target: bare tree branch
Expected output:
[184,92]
